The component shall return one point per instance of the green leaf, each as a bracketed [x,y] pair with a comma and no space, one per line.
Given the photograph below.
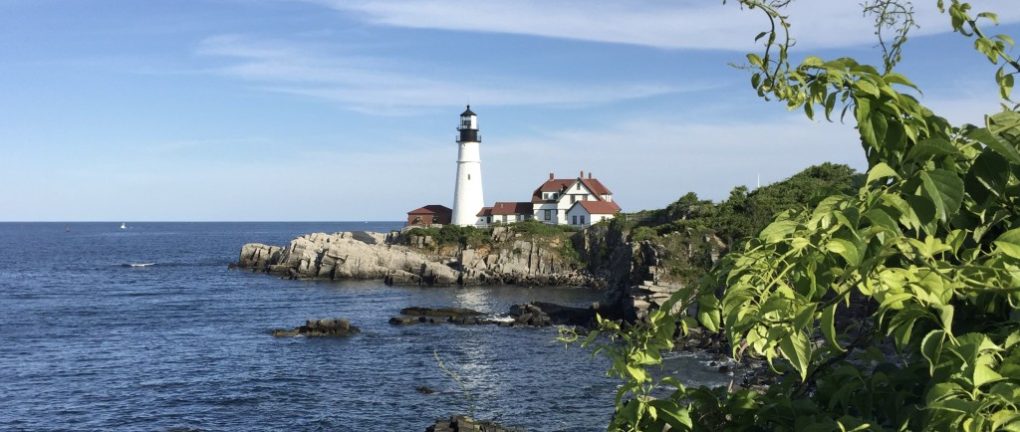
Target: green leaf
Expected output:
[1009,243]
[812,61]
[945,189]
[796,348]
[678,418]
[931,348]
[754,60]
[946,313]
[863,115]
[845,249]
[923,208]
[805,317]
[896,78]
[984,375]
[828,323]
[985,137]
[988,175]
[710,320]
[637,373]
[778,230]
[866,87]
[880,218]
[929,148]
[881,170]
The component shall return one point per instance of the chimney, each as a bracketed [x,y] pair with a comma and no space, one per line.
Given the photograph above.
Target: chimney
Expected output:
[589,174]
[551,176]
[582,174]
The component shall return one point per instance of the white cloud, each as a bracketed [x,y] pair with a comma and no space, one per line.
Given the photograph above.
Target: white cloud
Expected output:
[689,24]
[386,86]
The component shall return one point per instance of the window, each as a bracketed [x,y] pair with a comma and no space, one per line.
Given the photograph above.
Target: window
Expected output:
[548,215]
[573,198]
[578,186]
[582,219]
[488,219]
[469,176]
[574,220]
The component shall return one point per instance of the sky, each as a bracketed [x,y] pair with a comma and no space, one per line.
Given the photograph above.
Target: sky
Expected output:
[345,110]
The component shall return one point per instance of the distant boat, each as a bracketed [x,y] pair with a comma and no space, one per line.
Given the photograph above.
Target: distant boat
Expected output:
[123,225]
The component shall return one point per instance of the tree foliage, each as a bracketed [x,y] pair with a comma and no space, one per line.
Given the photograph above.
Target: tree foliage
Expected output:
[745,213]
[894,307]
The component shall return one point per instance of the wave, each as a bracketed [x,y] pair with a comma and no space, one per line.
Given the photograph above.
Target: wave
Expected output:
[136,265]
[217,263]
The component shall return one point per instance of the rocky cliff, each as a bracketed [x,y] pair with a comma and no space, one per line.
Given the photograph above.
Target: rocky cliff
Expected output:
[638,276]
[506,259]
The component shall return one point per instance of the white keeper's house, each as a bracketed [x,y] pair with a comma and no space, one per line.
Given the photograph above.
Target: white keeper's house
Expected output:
[579,202]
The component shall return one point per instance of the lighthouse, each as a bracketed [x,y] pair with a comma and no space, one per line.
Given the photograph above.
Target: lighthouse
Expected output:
[467,194]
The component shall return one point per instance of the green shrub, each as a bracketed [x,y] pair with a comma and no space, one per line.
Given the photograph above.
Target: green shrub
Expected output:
[893,307]
[642,233]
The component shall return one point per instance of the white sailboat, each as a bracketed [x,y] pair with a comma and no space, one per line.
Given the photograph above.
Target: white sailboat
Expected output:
[123,225]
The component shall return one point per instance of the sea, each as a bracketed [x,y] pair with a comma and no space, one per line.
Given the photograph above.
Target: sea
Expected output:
[147,329]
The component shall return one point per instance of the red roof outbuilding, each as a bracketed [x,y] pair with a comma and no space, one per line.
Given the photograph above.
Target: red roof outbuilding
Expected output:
[512,208]
[429,215]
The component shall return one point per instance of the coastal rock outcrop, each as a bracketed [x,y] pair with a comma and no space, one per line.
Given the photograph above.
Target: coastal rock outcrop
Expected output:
[415,315]
[466,424]
[348,255]
[520,262]
[535,314]
[366,255]
[638,276]
[334,327]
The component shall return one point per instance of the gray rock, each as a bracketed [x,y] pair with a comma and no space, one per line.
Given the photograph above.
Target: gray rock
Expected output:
[334,327]
[466,424]
[374,256]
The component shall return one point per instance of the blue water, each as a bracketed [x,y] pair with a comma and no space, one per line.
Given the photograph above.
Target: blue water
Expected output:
[89,343]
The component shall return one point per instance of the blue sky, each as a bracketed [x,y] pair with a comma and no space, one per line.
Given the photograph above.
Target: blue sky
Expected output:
[345,109]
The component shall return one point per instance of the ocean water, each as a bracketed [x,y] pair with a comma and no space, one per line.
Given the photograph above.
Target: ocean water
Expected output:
[89,342]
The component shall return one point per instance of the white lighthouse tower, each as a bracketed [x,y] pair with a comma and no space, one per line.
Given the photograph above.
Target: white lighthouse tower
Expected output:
[467,195]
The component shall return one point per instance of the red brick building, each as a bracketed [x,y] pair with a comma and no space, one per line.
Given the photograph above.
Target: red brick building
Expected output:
[432,214]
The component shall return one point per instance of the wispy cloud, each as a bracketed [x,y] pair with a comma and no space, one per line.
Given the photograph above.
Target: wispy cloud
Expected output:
[379,85]
[690,24]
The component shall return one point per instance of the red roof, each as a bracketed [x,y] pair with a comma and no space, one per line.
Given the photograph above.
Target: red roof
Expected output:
[485,211]
[596,186]
[559,185]
[512,208]
[431,209]
[599,207]
[556,185]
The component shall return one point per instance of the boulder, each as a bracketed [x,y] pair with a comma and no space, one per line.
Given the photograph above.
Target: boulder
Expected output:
[334,327]
[347,256]
[466,424]
[416,315]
